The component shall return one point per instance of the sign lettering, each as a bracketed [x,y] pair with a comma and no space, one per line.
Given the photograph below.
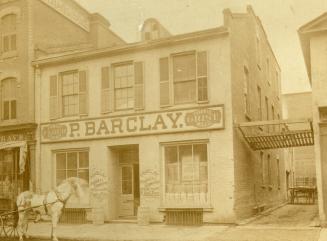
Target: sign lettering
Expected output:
[151,123]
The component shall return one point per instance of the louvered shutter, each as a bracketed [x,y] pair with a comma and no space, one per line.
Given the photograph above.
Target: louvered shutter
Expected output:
[54,108]
[164,82]
[202,76]
[83,92]
[139,85]
[105,89]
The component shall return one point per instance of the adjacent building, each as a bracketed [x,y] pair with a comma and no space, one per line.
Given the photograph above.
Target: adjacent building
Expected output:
[313,38]
[28,28]
[151,125]
[298,106]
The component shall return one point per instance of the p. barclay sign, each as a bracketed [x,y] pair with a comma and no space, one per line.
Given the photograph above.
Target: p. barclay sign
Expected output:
[142,124]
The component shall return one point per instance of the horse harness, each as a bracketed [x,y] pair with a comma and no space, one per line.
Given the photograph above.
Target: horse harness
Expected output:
[59,199]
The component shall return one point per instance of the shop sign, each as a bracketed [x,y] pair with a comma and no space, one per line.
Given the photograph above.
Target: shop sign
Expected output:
[70,12]
[131,125]
[16,137]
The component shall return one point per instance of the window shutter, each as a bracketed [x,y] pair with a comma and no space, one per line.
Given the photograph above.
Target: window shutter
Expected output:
[164,82]
[202,76]
[139,85]
[105,89]
[54,108]
[83,92]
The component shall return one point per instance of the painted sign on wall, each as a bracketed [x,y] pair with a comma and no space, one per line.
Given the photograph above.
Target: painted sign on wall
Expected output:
[131,125]
[70,12]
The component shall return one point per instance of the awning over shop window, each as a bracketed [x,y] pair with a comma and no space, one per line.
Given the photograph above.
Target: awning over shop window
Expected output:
[261,135]
[22,145]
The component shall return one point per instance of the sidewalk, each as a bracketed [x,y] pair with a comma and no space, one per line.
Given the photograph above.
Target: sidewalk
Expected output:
[162,232]
[125,231]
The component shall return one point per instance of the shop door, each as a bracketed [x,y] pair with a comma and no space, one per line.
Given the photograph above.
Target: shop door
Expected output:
[127,191]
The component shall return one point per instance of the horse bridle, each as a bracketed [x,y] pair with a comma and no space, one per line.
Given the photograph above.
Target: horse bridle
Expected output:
[59,199]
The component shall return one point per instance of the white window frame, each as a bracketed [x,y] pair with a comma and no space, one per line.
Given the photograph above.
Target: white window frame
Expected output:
[13,83]
[62,96]
[9,35]
[66,151]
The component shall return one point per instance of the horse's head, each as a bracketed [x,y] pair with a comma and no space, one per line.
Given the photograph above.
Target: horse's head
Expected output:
[77,185]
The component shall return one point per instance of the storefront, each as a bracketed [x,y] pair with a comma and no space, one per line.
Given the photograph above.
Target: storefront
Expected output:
[17,160]
[159,160]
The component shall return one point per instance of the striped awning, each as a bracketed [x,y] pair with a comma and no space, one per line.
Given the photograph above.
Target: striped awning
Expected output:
[261,135]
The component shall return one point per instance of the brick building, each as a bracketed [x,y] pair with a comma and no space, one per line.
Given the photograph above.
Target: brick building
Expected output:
[28,28]
[152,124]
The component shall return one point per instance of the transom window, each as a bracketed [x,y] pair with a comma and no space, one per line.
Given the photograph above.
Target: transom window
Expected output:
[8,28]
[70,93]
[72,164]
[9,99]
[186,168]
[124,86]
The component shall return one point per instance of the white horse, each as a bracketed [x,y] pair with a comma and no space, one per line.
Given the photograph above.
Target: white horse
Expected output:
[50,204]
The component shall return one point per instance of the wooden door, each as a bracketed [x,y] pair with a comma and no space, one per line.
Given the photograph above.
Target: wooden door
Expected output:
[127,191]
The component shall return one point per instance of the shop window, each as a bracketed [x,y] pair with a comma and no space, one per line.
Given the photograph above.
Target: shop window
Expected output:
[9,35]
[186,168]
[10,180]
[72,164]
[189,75]
[9,99]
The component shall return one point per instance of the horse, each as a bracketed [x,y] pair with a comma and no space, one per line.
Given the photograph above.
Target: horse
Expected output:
[50,204]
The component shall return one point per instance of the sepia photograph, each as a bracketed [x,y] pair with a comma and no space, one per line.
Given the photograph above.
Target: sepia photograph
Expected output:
[163,120]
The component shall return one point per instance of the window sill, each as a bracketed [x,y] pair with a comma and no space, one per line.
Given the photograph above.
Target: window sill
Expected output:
[9,54]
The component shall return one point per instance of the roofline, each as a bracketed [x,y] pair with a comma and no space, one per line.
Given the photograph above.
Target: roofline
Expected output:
[257,19]
[137,46]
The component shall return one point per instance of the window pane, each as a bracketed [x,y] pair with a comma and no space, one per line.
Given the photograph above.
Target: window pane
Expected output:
[61,160]
[6,43]
[71,173]
[84,174]
[184,67]
[171,154]
[60,176]
[200,152]
[13,42]
[6,110]
[83,160]
[202,64]
[184,92]
[185,157]
[13,109]
[72,160]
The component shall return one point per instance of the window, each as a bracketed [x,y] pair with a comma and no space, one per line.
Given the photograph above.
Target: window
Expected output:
[278,174]
[246,91]
[262,168]
[268,70]
[124,86]
[272,112]
[269,170]
[10,179]
[9,99]
[267,108]
[259,103]
[8,28]
[258,51]
[186,168]
[70,93]
[189,79]
[72,164]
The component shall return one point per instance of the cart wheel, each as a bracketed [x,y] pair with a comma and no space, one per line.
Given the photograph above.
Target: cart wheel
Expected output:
[9,225]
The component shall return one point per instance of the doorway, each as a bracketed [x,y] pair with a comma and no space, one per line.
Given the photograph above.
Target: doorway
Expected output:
[128,158]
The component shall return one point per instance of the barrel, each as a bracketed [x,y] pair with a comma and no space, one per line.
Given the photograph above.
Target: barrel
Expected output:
[98,216]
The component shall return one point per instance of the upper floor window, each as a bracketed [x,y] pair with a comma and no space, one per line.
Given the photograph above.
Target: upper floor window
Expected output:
[8,29]
[189,79]
[9,99]
[68,94]
[247,104]
[122,87]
